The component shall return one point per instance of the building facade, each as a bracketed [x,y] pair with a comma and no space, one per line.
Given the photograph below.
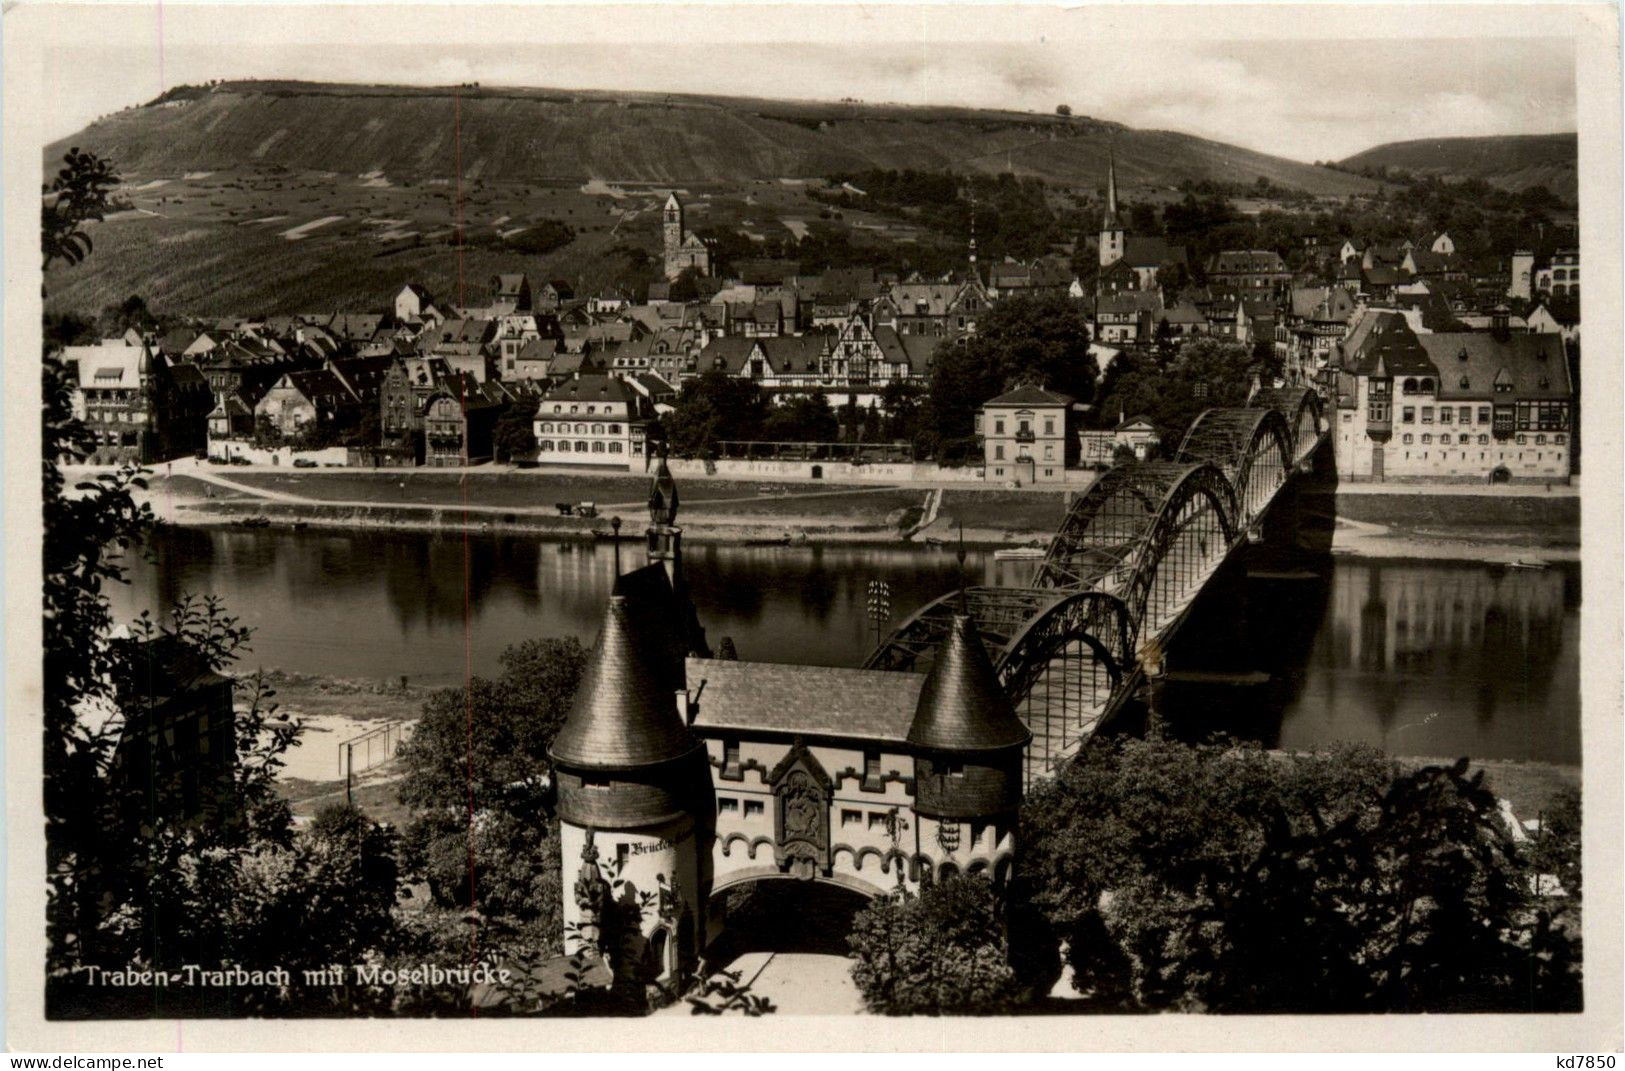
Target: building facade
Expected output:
[1478,406]
[1024,436]
[592,420]
[680,776]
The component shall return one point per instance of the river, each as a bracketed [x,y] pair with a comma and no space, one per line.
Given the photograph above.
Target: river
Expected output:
[1419,657]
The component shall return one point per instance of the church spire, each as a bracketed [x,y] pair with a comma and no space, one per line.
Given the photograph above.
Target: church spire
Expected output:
[1111,187]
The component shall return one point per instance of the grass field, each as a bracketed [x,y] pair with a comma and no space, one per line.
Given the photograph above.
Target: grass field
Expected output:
[1023,511]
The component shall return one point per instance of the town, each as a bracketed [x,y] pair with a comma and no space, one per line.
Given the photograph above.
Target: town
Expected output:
[1216,566]
[1434,365]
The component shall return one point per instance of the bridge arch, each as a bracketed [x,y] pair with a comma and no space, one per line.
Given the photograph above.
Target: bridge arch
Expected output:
[1303,410]
[1060,656]
[1149,533]
[1252,447]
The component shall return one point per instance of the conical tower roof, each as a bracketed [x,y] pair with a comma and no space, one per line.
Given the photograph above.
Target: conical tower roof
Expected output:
[961,706]
[625,713]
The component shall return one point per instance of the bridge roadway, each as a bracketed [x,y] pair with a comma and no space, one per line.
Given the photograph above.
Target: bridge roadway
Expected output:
[1119,576]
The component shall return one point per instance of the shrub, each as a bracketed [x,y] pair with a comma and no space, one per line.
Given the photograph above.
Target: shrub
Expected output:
[945,951]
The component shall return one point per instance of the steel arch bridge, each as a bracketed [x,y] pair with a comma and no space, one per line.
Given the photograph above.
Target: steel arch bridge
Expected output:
[1129,559]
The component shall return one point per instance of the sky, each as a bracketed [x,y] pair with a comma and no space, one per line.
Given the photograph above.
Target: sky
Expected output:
[1308,82]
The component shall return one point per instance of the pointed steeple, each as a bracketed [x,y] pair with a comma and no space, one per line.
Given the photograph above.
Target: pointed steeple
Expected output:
[625,713]
[962,708]
[663,494]
[1111,188]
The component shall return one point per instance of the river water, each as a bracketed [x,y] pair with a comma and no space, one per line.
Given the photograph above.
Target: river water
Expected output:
[1434,658]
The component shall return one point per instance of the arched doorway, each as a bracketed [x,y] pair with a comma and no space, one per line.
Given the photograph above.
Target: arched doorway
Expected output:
[783,915]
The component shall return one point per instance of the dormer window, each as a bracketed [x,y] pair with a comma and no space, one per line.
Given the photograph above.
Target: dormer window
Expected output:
[1462,382]
[1462,356]
[1543,382]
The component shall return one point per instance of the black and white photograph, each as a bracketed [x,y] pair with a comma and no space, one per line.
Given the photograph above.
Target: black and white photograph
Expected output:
[972,517]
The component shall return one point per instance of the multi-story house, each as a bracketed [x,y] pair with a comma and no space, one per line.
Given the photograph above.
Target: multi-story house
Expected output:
[592,420]
[1250,270]
[1465,406]
[405,388]
[137,407]
[458,420]
[302,402]
[1024,436]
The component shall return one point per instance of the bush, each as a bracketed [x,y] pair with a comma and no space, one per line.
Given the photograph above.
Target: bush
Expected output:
[945,951]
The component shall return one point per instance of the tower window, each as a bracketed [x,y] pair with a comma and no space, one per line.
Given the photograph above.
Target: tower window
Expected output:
[730,761]
[851,818]
[753,808]
[727,805]
[871,771]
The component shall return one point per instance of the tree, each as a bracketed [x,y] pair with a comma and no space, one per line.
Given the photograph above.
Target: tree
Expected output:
[943,952]
[78,195]
[1063,109]
[514,435]
[1224,878]
[805,418]
[478,776]
[1041,340]
[713,408]
[686,286]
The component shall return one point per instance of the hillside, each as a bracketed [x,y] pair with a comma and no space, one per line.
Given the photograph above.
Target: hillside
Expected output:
[261,197]
[1510,162]
[530,135]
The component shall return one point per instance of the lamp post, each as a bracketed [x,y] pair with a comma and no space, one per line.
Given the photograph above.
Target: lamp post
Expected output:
[615,540]
[1151,664]
[879,606]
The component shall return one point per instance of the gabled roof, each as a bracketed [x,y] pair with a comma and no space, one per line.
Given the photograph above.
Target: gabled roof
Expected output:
[1388,347]
[1030,395]
[824,702]
[1148,252]
[592,388]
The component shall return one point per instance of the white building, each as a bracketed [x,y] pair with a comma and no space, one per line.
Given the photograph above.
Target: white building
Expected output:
[592,420]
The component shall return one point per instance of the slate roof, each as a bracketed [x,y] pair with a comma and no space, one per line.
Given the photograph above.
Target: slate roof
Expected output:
[1387,347]
[961,706]
[625,711]
[811,701]
[1534,364]
[1030,395]
[591,388]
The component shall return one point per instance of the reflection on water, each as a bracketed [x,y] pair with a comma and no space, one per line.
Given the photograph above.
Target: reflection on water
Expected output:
[1445,658]
[1421,658]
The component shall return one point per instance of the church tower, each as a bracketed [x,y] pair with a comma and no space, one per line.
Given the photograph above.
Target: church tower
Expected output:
[1113,237]
[635,802]
[672,235]
[969,745]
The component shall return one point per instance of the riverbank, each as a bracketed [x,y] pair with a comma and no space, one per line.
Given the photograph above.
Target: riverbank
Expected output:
[333,708]
[1449,522]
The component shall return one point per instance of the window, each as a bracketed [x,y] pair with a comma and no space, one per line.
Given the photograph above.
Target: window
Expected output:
[1427,414]
[597,448]
[581,447]
[730,761]
[877,821]
[1483,414]
[951,769]
[546,445]
[1407,415]
[1407,438]
[1483,440]
[1463,383]
[998,427]
[614,429]
[754,809]
[1523,440]
[1446,414]
[1427,439]
[598,429]
[998,454]
[614,448]
[727,805]
[1465,414]
[871,771]
[575,409]
[1560,439]
[1049,426]
[851,818]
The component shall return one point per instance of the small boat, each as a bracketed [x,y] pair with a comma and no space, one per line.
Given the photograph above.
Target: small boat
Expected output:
[1522,564]
[781,541]
[253,522]
[1018,554]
